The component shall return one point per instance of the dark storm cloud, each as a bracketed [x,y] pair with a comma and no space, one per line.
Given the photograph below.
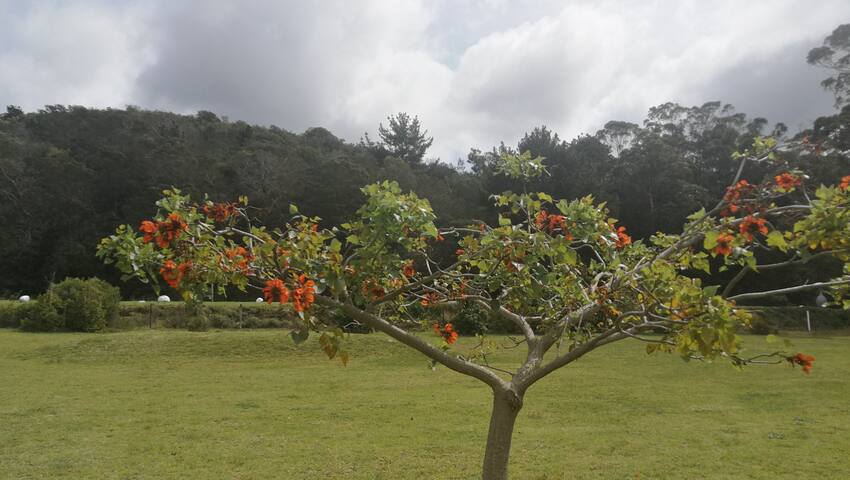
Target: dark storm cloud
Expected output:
[781,88]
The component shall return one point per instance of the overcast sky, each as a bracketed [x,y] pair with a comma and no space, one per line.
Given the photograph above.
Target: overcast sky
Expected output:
[476,72]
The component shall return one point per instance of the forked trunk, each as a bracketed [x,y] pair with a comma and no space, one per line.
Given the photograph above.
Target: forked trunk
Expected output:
[506,406]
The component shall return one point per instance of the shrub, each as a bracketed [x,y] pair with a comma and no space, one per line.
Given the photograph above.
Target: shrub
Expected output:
[39,316]
[9,315]
[73,304]
[197,323]
[471,319]
[760,325]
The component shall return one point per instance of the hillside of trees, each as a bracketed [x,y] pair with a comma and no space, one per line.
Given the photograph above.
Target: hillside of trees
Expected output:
[70,174]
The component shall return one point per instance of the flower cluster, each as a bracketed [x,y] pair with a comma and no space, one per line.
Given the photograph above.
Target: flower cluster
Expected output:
[304,295]
[806,361]
[219,212]
[275,289]
[240,259]
[552,223]
[163,232]
[786,182]
[734,195]
[408,270]
[724,244]
[429,299]
[845,182]
[173,273]
[447,332]
[622,238]
[752,225]
[372,290]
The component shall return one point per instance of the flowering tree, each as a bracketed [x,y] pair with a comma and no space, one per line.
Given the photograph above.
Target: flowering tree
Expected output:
[567,276]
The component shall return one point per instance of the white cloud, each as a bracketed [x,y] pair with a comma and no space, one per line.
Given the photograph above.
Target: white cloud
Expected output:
[73,54]
[475,72]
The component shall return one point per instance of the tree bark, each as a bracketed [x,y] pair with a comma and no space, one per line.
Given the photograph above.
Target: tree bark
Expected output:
[506,407]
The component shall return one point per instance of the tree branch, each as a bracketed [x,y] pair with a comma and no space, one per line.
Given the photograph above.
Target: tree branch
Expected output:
[525,381]
[780,291]
[459,365]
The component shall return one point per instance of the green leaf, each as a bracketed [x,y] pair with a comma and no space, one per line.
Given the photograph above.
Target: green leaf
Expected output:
[335,245]
[710,240]
[431,230]
[776,239]
[353,239]
[697,215]
[293,209]
[504,221]
[299,336]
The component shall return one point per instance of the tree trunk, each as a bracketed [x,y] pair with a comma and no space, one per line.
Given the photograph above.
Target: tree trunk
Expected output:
[506,406]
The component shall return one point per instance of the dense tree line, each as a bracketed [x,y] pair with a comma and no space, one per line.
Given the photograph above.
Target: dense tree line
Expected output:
[69,174]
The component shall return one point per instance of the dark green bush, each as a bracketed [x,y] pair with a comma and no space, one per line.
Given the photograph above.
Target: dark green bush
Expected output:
[197,323]
[772,319]
[471,319]
[73,304]
[760,325]
[9,314]
[39,316]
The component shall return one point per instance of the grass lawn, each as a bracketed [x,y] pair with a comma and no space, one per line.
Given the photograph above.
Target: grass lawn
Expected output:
[250,404]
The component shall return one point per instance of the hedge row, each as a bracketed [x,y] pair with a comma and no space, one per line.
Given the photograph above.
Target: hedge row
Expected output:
[471,320]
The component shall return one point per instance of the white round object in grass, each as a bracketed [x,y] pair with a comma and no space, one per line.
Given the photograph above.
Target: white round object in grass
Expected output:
[259,300]
[24,298]
[141,301]
[163,298]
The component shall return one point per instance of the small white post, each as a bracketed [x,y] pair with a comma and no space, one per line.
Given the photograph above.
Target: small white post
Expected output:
[808,320]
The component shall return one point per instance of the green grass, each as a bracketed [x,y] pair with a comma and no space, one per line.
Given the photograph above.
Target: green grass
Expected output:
[249,404]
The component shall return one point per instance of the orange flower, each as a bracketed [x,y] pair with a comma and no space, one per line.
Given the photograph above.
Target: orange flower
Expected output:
[751,225]
[551,223]
[786,182]
[149,229]
[304,295]
[733,196]
[219,212]
[378,292]
[167,231]
[724,244]
[275,289]
[806,361]
[430,299]
[459,252]
[408,270]
[239,257]
[557,222]
[447,332]
[440,238]
[372,289]
[622,238]
[845,182]
[540,220]
[173,273]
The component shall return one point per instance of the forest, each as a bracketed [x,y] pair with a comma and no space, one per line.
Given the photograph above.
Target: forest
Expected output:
[69,174]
